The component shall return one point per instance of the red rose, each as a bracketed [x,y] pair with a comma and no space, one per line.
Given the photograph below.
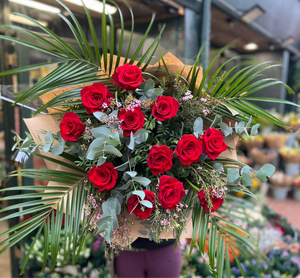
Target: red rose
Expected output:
[131,120]
[164,108]
[213,142]
[189,149]
[216,202]
[103,177]
[170,192]
[93,97]
[160,159]
[139,210]
[71,128]
[128,77]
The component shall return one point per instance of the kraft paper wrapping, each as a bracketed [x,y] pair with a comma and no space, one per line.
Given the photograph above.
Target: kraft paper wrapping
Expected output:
[49,122]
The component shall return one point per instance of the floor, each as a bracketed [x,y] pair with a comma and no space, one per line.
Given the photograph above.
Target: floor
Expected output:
[288,208]
[4,257]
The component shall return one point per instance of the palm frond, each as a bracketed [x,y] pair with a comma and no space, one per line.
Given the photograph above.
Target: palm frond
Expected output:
[78,67]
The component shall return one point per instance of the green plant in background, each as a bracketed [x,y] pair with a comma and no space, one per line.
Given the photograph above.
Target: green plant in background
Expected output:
[227,93]
[91,261]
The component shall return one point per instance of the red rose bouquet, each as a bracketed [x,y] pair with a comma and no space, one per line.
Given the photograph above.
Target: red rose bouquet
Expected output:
[136,150]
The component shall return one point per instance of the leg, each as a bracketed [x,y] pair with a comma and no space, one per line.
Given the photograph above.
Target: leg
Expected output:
[164,262]
[130,264]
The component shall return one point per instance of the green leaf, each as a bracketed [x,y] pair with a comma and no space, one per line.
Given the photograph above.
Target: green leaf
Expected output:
[142,180]
[57,149]
[198,126]
[29,252]
[246,169]
[226,130]
[254,129]
[139,193]
[46,148]
[216,121]
[112,150]
[246,179]
[261,176]
[233,176]
[93,33]
[131,173]
[218,166]
[268,170]
[146,203]
[238,262]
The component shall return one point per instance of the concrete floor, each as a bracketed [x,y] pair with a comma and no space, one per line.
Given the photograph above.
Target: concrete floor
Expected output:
[5,271]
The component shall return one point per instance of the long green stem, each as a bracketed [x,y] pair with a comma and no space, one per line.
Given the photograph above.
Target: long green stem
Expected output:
[193,186]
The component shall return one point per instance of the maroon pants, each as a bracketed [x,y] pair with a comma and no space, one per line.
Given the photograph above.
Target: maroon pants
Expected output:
[161,262]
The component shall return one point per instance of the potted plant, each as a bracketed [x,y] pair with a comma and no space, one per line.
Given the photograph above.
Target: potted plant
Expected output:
[291,157]
[263,156]
[297,188]
[281,185]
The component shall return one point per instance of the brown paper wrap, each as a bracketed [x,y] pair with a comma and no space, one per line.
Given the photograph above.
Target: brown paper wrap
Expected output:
[49,122]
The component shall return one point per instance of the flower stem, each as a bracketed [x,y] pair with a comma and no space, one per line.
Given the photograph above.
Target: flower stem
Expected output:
[196,188]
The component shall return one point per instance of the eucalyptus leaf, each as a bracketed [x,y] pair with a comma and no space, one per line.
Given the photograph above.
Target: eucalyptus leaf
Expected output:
[100,131]
[218,166]
[149,85]
[140,136]
[268,170]
[101,160]
[131,144]
[122,167]
[261,176]
[131,173]
[112,150]
[142,180]
[216,121]
[46,148]
[158,91]
[99,115]
[147,203]
[246,169]
[198,126]
[233,176]
[49,137]
[57,149]
[239,127]
[226,130]
[125,186]
[139,193]
[246,179]
[254,129]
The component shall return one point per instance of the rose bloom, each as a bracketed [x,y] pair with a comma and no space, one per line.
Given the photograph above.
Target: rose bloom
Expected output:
[131,120]
[128,77]
[139,210]
[164,108]
[213,142]
[217,202]
[94,96]
[160,159]
[170,192]
[71,128]
[189,149]
[104,177]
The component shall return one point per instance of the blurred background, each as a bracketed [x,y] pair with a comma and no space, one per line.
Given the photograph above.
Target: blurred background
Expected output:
[263,30]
